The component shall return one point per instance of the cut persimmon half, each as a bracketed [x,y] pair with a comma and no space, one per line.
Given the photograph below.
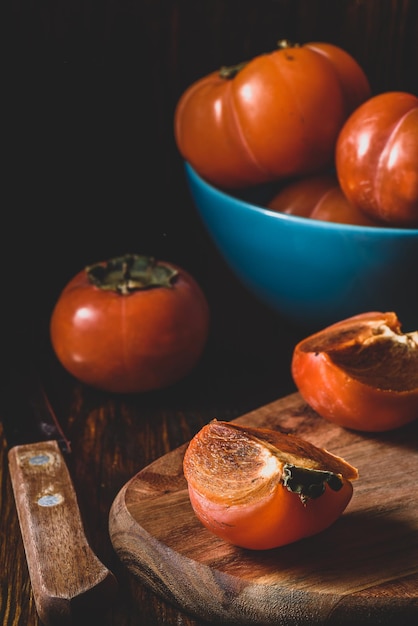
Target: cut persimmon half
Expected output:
[259,489]
[360,373]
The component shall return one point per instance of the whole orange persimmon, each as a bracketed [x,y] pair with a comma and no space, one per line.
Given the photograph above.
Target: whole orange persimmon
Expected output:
[130,324]
[276,116]
[319,197]
[376,158]
[260,489]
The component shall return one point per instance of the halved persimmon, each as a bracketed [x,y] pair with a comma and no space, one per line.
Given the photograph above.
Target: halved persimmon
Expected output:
[260,489]
[360,373]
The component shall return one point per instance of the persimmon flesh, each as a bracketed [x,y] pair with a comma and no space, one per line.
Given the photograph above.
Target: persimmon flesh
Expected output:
[260,489]
[360,373]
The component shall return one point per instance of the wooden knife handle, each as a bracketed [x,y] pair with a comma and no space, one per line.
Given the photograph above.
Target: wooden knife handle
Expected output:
[67,577]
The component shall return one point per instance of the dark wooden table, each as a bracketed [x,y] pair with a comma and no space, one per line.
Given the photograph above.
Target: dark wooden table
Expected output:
[246,364]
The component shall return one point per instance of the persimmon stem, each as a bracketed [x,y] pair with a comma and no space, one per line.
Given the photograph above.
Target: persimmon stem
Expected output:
[283,44]
[129,273]
[309,483]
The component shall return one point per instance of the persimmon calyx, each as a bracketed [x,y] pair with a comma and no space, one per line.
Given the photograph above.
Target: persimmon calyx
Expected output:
[228,72]
[129,273]
[309,483]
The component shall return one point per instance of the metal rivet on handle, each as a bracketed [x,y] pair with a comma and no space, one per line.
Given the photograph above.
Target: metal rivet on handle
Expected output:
[39,459]
[50,500]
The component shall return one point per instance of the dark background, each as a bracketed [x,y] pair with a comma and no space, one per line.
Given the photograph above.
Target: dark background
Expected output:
[91,169]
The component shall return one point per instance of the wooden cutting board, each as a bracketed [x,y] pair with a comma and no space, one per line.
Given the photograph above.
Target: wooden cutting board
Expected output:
[362,570]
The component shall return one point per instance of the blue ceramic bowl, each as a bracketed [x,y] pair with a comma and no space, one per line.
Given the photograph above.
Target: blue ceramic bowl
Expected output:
[312,273]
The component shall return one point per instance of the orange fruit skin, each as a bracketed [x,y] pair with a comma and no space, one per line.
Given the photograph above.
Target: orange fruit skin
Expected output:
[376,158]
[278,519]
[319,197]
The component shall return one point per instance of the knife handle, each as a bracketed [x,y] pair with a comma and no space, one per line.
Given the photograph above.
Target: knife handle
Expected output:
[67,577]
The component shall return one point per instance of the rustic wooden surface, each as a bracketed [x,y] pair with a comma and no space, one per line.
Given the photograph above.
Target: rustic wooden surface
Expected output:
[372,550]
[90,170]
[113,437]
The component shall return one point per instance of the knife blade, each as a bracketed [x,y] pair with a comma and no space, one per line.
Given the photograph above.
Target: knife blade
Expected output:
[67,577]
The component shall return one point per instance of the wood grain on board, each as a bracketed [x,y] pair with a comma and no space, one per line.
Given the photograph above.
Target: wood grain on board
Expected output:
[363,569]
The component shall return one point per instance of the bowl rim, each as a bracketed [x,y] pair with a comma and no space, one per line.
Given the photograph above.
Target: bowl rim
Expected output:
[381,231]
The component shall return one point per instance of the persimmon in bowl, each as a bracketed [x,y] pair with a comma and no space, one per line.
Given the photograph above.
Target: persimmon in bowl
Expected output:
[312,272]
